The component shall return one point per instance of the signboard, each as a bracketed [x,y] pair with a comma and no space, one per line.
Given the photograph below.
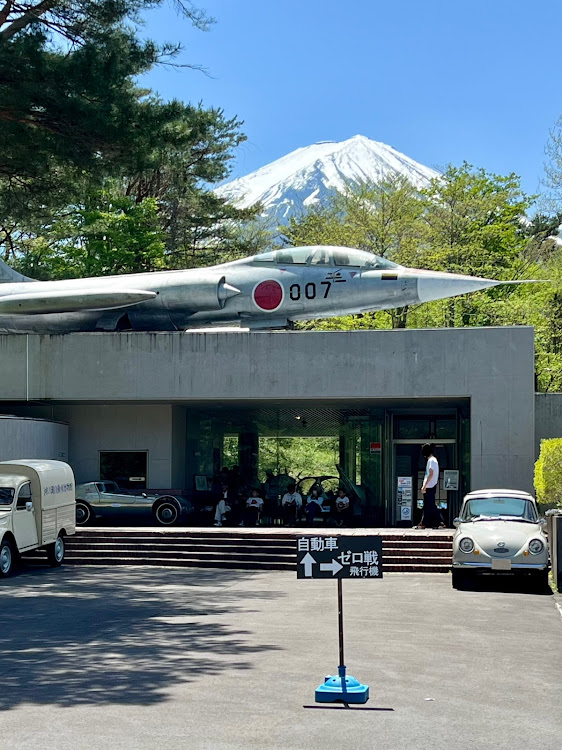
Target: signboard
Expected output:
[339,557]
[375,448]
[404,496]
[450,479]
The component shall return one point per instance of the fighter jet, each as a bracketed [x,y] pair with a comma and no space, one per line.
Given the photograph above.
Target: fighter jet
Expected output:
[269,290]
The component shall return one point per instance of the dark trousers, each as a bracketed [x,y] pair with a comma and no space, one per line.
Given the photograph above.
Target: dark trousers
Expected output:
[312,510]
[289,512]
[431,516]
[251,515]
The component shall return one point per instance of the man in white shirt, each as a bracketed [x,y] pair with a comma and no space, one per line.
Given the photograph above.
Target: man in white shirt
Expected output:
[290,503]
[431,516]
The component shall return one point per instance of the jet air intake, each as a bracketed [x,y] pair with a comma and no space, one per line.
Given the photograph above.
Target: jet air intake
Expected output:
[199,294]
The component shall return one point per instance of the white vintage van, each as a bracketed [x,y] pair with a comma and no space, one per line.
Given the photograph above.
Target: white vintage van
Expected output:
[37,509]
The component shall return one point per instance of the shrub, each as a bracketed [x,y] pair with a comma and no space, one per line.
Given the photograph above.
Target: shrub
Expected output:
[548,473]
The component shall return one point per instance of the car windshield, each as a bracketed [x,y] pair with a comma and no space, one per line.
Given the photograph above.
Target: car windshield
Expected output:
[111,487]
[517,508]
[6,495]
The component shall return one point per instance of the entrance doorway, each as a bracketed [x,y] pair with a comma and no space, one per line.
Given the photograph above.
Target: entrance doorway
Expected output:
[409,463]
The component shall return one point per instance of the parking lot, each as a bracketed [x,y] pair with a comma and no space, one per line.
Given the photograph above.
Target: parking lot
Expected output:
[174,658]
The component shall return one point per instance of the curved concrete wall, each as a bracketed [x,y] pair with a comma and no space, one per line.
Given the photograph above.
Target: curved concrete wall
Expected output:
[22,437]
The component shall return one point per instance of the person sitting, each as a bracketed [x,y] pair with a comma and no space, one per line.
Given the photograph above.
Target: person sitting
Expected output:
[314,505]
[224,506]
[342,507]
[290,503]
[254,505]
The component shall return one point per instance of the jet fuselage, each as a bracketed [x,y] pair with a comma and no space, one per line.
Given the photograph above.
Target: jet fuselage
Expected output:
[265,291]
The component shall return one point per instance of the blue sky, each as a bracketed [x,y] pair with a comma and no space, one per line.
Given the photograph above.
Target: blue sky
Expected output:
[440,81]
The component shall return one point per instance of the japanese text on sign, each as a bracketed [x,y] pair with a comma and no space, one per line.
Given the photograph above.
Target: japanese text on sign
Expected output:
[339,557]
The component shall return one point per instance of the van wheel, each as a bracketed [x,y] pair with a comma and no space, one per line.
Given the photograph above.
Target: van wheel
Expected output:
[167,512]
[55,552]
[7,558]
[83,513]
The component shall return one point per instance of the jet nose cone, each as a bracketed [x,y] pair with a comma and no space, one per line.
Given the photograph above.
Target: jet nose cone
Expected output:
[436,285]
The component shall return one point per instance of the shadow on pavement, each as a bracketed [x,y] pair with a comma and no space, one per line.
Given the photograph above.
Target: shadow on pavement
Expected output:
[506,584]
[97,636]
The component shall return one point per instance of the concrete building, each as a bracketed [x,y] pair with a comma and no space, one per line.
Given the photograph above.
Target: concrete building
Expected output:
[163,410]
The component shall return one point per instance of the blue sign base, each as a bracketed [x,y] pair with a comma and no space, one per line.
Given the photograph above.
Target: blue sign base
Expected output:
[341,688]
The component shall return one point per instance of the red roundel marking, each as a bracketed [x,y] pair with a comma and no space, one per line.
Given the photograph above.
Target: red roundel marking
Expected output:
[268,295]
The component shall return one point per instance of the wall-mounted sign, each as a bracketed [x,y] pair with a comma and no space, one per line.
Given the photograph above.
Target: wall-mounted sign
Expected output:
[404,496]
[375,448]
[450,479]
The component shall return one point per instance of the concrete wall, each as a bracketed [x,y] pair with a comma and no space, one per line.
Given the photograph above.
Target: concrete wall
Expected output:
[548,417]
[118,427]
[32,438]
[494,367]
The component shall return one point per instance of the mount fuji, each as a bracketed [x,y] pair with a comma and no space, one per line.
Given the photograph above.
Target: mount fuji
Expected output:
[311,174]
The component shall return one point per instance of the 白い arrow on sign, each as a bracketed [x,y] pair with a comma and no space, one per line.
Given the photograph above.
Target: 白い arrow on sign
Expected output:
[334,566]
[308,561]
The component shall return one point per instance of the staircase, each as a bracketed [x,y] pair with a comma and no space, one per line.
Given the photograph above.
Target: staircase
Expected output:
[404,551]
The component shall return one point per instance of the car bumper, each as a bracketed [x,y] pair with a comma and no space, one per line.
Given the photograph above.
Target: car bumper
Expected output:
[487,567]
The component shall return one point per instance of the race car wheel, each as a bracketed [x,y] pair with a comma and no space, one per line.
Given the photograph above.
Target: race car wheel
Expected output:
[83,513]
[7,558]
[55,552]
[167,512]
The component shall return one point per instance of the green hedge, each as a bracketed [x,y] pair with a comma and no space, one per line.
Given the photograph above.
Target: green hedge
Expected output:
[548,473]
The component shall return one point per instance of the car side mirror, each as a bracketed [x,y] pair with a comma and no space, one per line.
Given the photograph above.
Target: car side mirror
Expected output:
[144,494]
[456,522]
[29,505]
[542,521]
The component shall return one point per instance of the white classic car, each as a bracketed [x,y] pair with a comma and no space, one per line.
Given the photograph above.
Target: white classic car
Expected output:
[100,498]
[499,532]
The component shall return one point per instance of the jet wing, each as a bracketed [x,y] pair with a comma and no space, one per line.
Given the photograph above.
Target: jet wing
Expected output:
[73,300]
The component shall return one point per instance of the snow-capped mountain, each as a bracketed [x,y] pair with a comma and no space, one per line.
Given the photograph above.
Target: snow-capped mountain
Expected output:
[308,175]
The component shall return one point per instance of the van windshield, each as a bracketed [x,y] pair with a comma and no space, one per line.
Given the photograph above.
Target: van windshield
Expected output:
[6,495]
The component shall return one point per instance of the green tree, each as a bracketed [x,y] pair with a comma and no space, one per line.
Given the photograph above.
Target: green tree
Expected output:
[384,218]
[75,127]
[548,473]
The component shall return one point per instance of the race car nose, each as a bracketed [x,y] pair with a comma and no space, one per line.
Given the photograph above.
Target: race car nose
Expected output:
[437,285]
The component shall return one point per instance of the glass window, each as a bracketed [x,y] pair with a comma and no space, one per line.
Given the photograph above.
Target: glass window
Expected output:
[495,507]
[294,256]
[6,495]
[446,428]
[321,257]
[24,496]
[344,256]
[265,257]
[127,468]
[408,429]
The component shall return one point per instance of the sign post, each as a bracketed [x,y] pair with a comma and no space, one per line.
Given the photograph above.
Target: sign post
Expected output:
[340,557]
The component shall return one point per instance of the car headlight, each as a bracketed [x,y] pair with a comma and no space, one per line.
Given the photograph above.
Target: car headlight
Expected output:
[536,546]
[467,545]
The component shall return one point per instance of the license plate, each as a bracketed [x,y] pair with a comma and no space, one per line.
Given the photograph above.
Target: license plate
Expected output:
[501,564]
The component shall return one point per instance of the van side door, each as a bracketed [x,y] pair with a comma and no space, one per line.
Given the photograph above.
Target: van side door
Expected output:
[25,525]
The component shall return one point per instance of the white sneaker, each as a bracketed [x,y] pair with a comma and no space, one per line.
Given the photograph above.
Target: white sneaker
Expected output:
[241,524]
[218,523]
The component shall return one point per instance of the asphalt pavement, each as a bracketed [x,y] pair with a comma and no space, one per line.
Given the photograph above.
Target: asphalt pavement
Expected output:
[143,657]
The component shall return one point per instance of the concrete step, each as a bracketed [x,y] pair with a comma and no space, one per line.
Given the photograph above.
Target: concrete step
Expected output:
[242,548]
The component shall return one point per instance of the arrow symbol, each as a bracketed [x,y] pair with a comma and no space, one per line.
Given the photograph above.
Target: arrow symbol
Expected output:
[308,561]
[334,566]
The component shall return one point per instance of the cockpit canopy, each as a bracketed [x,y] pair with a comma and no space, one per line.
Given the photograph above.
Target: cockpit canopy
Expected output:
[325,255]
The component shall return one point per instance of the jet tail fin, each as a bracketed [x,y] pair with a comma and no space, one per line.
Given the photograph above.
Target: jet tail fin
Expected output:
[8,275]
